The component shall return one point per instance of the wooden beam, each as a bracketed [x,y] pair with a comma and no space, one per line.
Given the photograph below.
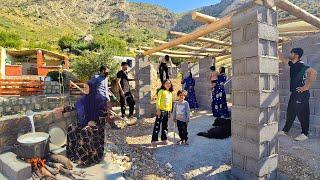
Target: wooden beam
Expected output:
[298,12]
[179,52]
[171,55]
[225,36]
[210,40]
[303,26]
[288,20]
[297,33]
[209,50]
[204,30]
[196,16]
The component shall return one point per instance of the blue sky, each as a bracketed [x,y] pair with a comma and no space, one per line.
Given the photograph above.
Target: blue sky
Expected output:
[179,6]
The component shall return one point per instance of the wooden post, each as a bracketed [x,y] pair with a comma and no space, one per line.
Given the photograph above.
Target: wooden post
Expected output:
[196,16]
[179,52]
[298,12]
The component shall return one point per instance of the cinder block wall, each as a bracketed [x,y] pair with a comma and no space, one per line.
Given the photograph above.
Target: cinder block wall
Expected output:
[201,72]
[311,47]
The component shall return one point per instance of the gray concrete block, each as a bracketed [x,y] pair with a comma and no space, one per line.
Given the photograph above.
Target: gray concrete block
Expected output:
[239,67]
[237,36]
[238,160]
[246,49]
[263,167]
[266,32]
[239,98]
[238,129]
[262,99]
[262,65]
[14,168]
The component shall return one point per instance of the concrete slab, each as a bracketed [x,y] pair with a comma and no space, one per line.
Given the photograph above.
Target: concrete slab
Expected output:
[14,168]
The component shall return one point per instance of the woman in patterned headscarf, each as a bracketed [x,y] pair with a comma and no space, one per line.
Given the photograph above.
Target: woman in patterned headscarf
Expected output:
[219,100]
[189,87]
[85,141]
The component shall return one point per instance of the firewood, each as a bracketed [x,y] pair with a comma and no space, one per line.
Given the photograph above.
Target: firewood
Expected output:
[61,159]
[79,173]
[46,173]
[38,173]
[35,176]
[53,171]
[58,166]
[67,173]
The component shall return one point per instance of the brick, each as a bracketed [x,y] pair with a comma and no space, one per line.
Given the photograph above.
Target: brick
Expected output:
[238,36]
[238,160]
[239,98]
[267,32]
[263,99]
[247,49]
[262,65]
[14,168]
[244,17]
[262,167]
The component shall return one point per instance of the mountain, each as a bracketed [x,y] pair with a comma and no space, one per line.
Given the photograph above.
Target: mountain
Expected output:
[43,22]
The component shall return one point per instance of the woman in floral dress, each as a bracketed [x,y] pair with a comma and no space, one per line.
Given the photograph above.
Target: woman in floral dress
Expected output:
[189,83]
[219,100]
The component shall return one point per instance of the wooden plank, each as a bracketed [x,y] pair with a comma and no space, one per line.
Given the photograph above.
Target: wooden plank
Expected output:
[196,16]
[204,30]
[288,20]
[203,39]
[297,33]
[194,48]
[171,55]
[298,12]
[179,52]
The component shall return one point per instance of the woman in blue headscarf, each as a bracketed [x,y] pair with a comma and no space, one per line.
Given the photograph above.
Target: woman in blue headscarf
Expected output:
[189,87]
[85,141]
[219,99]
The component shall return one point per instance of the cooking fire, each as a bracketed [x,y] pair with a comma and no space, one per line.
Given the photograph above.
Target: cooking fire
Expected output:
[49,168]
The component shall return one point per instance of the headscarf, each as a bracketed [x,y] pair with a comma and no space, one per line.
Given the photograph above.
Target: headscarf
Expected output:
[90,107]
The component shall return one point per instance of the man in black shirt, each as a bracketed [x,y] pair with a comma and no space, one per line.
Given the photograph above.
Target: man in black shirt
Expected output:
[124,90]
[299,87]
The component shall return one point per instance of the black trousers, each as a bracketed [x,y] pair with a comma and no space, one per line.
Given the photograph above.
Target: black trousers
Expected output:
[183,130]
[298,106]
[161,120]
[163,69]
[129,99]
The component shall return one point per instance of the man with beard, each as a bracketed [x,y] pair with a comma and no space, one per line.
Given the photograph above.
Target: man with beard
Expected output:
[103,89]
[301,79]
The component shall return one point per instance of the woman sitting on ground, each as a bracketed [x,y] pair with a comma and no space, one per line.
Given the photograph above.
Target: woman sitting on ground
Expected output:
[85,141]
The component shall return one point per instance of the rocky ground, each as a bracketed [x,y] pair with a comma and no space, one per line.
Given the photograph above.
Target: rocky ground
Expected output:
[130,147]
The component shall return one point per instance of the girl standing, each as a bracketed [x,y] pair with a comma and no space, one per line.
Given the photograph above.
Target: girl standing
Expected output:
[164,108]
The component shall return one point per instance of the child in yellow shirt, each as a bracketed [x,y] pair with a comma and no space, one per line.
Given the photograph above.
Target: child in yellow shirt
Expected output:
[164,108]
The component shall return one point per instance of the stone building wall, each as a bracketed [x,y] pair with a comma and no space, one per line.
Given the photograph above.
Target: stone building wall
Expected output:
[14,126]
[311,47]
[52,87]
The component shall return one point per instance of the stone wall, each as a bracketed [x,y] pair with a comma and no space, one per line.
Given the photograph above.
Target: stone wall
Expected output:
[144,106]
[13,126]
[15,105]
[311,47]
[200,72]
[52,87]
[255,93]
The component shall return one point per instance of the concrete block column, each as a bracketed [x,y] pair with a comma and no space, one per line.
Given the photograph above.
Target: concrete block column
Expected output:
[203,85]
[144,107]
[255,91]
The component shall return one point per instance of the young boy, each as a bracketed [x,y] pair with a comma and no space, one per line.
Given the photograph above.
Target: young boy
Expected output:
[181,115]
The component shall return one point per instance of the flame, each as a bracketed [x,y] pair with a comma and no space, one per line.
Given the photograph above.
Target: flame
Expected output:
[37,162]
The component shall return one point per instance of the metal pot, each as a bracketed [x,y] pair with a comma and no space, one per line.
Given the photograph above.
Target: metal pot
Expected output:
[32,145]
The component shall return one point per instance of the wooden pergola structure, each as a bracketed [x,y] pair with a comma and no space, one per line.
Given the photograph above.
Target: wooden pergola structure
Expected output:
[221,48]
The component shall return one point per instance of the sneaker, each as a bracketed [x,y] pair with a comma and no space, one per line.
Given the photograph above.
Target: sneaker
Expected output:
[282,133]
[301,137]
[179,142]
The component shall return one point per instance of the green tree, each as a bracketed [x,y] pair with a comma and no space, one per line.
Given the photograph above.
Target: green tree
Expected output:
[10,40]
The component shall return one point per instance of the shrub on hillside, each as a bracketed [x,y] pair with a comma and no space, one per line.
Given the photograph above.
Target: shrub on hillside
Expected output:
[10,40]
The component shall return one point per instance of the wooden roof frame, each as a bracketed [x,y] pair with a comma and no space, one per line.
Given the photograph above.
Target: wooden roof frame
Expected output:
[225,22]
